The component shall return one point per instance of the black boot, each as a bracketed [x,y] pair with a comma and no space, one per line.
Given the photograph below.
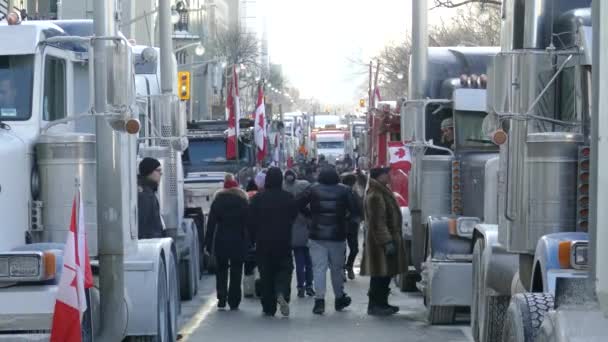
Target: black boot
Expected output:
[350,272]
[375,306]
[319,308]
[310,291]
[301,293]
[385,303]
[342,303]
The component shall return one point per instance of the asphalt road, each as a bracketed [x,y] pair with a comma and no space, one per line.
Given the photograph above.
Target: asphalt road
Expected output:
[202,321]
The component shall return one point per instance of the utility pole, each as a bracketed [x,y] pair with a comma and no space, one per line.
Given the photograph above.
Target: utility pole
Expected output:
[110,182]
[417,85]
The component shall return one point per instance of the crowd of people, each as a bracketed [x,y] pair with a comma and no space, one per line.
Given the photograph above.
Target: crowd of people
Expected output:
[281,219]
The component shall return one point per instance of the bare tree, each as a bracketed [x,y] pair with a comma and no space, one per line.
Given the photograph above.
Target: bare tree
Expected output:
[237,46]
[459,3]
[473,25]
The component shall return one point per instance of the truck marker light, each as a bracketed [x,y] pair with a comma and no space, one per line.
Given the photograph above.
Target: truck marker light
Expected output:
[50,265]
[452,226]
[584,177]
[13,18]
[132,126]
[564,254]
[499,137]
[584,165]
[586,152]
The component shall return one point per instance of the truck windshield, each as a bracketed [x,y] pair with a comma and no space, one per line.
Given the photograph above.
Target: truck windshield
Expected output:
[322,121]
[330,144]
[207,151]
[469,130]
[16,79]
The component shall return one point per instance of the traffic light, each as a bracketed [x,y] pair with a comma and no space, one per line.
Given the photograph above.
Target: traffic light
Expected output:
[362,103]
[183,85]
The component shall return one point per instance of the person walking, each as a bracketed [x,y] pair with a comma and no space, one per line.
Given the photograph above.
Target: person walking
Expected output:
[352,231]
[228,240]
[149,220]
[249,272]
[329,205]
[272,213]
[384,250]
[299,239]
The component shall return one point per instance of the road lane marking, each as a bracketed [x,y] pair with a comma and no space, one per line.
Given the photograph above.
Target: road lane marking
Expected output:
[197,320]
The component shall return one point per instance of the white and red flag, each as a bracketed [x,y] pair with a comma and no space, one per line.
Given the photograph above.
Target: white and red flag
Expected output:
[234,111]
[259,132]
[76,276]
[400,156]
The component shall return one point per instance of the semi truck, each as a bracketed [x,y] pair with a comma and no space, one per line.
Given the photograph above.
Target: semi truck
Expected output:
[446,182]
[580,307]
[333,144]
[72,119]
[540,99]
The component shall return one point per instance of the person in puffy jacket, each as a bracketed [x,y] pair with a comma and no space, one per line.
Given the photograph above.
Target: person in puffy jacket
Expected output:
[271,216]
[330,206]
[299,238]
[149,220]
[228,240]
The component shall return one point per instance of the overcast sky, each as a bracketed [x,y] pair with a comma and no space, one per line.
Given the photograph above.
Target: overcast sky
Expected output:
[314,39]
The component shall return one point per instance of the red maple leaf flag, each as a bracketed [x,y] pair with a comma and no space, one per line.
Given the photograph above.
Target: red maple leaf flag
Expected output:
[232,105]
[76,276]
[260,125]
[400,156]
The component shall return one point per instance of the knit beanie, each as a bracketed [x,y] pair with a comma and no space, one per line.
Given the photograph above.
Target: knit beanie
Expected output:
[147,166]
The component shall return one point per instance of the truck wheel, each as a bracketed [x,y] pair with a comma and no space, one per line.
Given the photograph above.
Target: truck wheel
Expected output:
[175,305]
[186,280]
[87,320]
[197,260]
[525,316]
[478,317]
[496,310]
[438,315]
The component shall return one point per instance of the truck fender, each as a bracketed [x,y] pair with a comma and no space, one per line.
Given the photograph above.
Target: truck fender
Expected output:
[499,266]
[141,283]
[546,267]
[440,244]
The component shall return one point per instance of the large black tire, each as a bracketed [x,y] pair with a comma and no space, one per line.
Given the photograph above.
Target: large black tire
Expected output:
[496,311]
[189,270]
[525,316]
[175,304]
[478,296]
[163,333]
[87,320]
[441,315]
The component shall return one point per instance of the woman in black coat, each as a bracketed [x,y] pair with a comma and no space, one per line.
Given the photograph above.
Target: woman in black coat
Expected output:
[228,241]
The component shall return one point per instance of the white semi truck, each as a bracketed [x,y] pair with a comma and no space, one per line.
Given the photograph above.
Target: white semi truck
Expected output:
[69,115]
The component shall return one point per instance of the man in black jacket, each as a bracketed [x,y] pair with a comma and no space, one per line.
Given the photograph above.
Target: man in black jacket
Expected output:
[149,220]
[271,216]
[331,205]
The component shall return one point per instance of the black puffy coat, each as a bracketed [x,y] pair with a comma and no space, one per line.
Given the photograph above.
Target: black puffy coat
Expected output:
[228,219]
[148,211]
[331,206]
[272,213]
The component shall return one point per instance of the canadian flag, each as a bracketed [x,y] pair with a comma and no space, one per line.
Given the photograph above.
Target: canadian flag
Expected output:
[232,105]
[400,157]
[260,125]
[76,276]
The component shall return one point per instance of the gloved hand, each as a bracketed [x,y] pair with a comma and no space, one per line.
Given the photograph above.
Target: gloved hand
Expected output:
[390,249]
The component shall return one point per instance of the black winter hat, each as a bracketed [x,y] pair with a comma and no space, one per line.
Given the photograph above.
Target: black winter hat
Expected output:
[274,178]
[147,166]
[378,171]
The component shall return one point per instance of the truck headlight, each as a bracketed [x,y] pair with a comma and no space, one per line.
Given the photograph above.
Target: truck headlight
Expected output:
[463,226]
[27,266]
[580,252]
[574,254]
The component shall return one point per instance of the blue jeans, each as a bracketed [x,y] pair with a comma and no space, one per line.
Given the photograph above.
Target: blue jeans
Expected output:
[303,266]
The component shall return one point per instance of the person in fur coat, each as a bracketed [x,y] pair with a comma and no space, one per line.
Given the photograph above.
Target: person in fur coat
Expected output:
[384,249]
